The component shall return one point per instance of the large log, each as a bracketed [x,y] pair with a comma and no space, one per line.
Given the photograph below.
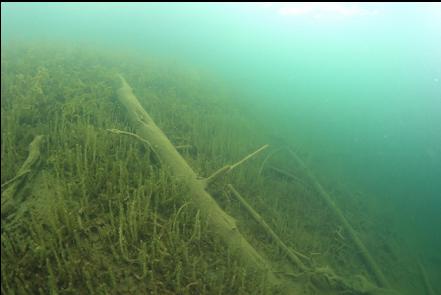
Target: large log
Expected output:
[220,223]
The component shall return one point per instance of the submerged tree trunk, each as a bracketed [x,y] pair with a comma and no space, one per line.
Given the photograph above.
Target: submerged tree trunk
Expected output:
[220,223]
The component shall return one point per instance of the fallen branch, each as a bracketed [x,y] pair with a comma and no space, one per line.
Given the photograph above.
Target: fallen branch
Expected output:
[427,285]
[228,168]
[321,277]
[249,156]
[15,178]
[10,197]
[221,224]
[289,175]
[183,147]
[117,131]
[292,254]
[370,262]
[267,158]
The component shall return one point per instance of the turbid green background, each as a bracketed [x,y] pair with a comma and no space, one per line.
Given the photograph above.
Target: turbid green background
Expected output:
[360,92]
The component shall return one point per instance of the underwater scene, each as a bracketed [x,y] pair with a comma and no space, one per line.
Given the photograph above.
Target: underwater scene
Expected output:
[221,148]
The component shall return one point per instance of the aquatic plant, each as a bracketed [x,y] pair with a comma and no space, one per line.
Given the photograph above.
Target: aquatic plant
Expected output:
[103,214]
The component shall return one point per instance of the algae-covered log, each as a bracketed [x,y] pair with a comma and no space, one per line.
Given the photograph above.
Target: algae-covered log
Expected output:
[10,199]
[220,223]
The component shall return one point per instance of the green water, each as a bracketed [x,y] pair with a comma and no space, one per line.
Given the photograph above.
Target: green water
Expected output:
[354,88]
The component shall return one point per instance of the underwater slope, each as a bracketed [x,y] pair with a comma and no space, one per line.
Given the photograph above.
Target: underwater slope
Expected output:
[101,214]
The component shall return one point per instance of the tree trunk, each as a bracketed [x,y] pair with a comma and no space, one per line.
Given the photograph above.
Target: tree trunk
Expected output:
[220,223]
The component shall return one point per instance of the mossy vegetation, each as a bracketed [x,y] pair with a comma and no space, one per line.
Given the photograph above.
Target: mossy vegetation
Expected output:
[102,216]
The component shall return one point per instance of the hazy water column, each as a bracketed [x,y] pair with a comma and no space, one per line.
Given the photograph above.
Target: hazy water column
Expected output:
[356,85]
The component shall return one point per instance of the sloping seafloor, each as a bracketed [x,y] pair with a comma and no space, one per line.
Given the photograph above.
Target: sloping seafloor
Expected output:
[99,212]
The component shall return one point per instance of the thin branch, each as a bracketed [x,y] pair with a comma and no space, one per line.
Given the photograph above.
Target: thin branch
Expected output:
[292,254]
[249,156]
[228,168]
[18,176]
[117,131]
